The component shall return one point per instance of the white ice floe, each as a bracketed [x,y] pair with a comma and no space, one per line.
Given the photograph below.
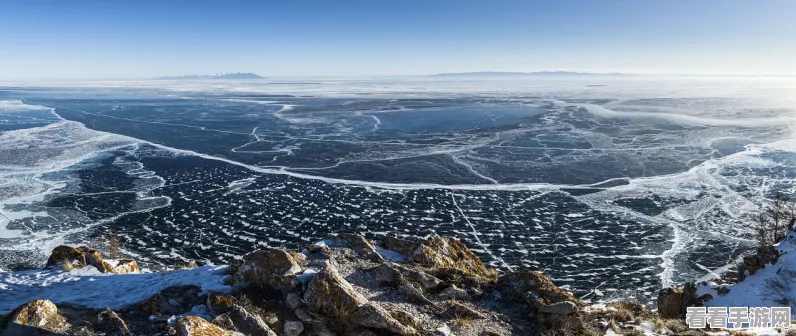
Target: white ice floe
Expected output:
[87,287]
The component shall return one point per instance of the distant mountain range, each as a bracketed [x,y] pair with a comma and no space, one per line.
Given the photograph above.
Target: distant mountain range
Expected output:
[522,74]
[230,75]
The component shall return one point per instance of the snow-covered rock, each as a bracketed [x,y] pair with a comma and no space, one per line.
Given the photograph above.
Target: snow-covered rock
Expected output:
[771,286]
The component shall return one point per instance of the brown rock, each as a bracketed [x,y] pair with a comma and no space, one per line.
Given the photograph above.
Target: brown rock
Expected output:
[126,266]
[670,303]
[64,253]
[370,315]
[519,284]
[110,322]
[413,294]
[300,259]
[187,264]
[386,273]
[219,303]
[39,316]
[81,256]
[356,242]
[93,258]
[402,246]
[197,326]
[272,266]
[329,294]
[451,254]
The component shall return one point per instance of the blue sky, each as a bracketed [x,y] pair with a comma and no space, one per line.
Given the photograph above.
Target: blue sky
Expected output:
[139,39]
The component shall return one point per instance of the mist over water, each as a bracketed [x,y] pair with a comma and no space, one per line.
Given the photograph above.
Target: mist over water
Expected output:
[585,179]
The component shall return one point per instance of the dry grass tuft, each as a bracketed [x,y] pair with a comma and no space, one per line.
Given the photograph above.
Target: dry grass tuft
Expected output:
[675,325]
[461,321]
[66,265]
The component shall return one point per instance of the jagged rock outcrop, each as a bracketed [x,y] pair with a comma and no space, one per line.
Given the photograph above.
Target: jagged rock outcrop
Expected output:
[80,256]
[33,318]
[404,247]
[551,305]
[197,326]
[535,288]
[673,302]
[330,294]
[449,254]
[271,266]
[670,303]
[343,287]
[356,242]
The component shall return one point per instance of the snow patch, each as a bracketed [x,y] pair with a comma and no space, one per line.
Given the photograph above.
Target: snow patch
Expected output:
[87,287]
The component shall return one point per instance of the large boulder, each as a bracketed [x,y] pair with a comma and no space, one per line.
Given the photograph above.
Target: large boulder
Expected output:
[64,253]
[535,288]
[197,326]
[80,256]
[673,302]
[402,246]
[413,294]
[356,242]
[35,317]
[372,316]
[670,303]
[329,294]
[271,266]
[450,254]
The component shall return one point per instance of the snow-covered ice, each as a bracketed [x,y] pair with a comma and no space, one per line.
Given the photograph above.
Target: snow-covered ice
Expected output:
[87,287]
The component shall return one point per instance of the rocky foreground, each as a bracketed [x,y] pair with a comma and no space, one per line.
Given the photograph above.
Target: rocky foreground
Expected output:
[344,285]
